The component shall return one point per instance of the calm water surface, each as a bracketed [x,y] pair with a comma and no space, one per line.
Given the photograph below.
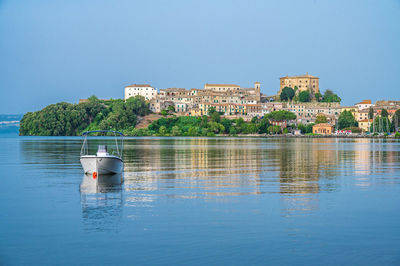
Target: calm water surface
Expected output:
[202,201]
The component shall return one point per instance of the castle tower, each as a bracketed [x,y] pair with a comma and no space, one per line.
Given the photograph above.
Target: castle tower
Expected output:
[257,88]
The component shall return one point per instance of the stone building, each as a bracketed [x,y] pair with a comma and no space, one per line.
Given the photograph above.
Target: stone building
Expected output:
[303,83]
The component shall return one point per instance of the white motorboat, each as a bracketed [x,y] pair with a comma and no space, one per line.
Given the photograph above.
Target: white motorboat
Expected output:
[102,163]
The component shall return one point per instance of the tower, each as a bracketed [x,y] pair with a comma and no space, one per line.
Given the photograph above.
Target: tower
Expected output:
[257,89]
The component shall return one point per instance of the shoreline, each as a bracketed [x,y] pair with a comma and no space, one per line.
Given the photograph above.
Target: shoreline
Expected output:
[392,137]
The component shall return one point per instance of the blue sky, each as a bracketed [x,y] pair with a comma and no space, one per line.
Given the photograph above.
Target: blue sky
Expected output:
[53,51]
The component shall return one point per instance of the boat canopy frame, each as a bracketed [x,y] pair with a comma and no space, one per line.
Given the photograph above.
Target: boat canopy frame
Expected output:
[119,146]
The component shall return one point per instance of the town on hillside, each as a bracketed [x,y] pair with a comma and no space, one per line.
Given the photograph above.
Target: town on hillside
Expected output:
[297,94]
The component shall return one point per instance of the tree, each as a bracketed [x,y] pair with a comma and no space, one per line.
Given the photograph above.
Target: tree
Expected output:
[318,96]
[396,121]
[371,113]
[384,113]
[304,96]
[281,116]
[216,117]
[171,108]
[381,124]
[330,97]
[346,119]
[175,131]
[93,98]
[274,129]
[287,94]
[321,119]
[164,112]
[227,123]
[211,110]
[162,130]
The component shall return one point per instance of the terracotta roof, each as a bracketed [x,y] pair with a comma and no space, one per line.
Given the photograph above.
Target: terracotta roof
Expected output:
[323,125]
[222,85]
[139,85]
[301,76]
[365,102]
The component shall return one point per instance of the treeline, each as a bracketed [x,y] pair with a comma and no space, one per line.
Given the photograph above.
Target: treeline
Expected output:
[290,94]
[212,124]
[66,119]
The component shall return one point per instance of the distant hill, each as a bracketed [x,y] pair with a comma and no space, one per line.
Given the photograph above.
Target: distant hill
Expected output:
[9,124]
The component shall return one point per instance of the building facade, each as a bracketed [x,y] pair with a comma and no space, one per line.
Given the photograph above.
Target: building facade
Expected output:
[303,83]
[324,129]
[144,90]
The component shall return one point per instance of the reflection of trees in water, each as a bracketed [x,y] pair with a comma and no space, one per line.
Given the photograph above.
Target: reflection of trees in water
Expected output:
[50,152]
[102,202]
[55,152]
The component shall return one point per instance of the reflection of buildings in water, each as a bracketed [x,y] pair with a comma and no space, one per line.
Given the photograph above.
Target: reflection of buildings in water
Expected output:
[372,159]
[302,162]
[362,152]
[102,202]
[216,166]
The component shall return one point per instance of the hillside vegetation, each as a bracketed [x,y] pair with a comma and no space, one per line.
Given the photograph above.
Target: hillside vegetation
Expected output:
[66,119]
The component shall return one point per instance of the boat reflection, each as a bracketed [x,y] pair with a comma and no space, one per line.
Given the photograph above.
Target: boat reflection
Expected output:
[102,202]
[101,184]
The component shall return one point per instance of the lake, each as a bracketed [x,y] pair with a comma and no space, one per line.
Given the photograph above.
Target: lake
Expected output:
[200,201]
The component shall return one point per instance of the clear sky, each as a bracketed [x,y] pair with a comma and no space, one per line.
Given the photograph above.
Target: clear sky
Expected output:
[53,51]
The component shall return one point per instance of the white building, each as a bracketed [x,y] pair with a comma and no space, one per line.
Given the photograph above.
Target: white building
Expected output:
[144,90]
[365,104]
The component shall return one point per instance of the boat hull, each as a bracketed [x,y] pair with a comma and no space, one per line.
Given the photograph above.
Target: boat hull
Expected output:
[101,165]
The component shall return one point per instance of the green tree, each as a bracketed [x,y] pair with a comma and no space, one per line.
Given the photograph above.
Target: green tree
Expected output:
[216,117]
[346,119]
[304,96]
[274,129]
[318,96]
[211,110]
[281,115]
[171,109]
[329,97]
[163,130]
[264,125]
[371,113]
[381,124]
[287,94]
[384,113]
[175,131]
[321,119]
[396,121]
[227,123]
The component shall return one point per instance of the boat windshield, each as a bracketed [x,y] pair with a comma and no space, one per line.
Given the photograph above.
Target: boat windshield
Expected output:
[105,144]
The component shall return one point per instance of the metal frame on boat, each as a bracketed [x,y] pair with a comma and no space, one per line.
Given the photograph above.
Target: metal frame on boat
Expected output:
[102,163]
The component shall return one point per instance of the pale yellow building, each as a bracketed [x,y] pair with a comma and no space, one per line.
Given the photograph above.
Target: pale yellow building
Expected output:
[365,124]
[323,128]
[303,83]
[222,87]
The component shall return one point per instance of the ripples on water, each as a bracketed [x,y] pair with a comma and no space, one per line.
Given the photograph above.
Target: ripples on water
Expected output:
[205,200]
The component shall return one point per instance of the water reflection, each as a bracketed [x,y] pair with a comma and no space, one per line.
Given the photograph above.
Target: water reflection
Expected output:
[221,168]
[102,202]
